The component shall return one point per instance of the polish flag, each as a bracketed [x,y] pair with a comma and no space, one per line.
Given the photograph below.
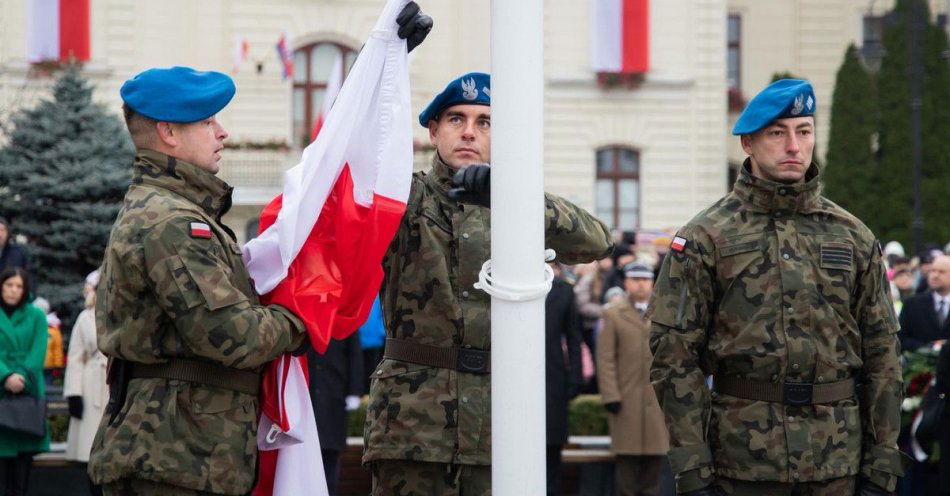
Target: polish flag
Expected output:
[322,242]
[58,30]
[620,36]
[240,53]
[329,96]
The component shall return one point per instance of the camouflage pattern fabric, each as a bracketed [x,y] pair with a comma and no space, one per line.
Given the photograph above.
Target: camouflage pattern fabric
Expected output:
[777,284]
[166,291]
[432,414]
[410,478]
[842,486]
[139,487]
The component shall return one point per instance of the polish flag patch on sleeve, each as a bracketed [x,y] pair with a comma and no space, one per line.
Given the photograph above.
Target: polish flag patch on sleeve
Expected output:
[200,230]
[678,244]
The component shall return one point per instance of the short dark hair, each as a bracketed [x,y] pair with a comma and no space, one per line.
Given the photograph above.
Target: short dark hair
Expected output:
[11,272]
[141,128]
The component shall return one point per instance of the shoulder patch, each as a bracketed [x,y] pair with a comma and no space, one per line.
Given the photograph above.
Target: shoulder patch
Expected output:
[678,244]
[200,230]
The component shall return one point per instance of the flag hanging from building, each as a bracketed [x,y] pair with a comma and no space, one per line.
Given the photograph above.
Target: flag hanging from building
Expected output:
[620,36]
[329,96]
[58,30]
[241,49]
[322,241]
[285,56]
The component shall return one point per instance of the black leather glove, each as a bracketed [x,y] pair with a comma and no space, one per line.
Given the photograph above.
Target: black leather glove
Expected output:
[706,491]
[414,26]
[474,185]
[75,406]
[573,390]
[868,488]
[612,407]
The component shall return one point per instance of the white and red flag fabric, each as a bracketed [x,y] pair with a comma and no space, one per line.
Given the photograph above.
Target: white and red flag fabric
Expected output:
[239,55]
[322,241]
[58,30]
[620,36]
[334,83]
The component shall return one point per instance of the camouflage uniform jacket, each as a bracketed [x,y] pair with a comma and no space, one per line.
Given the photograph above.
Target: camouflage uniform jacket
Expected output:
[777,284]
[166,293]
[432,414]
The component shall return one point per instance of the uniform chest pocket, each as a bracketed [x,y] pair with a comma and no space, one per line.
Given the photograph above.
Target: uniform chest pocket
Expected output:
[741,256]
[434,219]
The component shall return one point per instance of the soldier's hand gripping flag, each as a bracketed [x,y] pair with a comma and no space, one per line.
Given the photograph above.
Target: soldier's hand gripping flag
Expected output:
[322,242]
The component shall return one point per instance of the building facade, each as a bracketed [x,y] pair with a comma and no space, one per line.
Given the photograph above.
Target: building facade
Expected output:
[647,153]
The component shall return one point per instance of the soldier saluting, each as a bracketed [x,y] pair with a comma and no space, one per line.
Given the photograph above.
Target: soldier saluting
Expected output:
[781,296]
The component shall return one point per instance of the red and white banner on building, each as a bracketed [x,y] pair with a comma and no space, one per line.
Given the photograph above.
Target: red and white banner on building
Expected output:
[620,36]
[58,30]
[322,242]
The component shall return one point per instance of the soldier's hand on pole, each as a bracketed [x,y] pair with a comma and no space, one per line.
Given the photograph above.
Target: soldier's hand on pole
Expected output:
[75,406]
[414,26]
[613,407]
[473,185]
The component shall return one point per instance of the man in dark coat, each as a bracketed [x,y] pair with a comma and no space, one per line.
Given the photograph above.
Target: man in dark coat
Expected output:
[11,254]
[924,316]
[562,373]
[336,383]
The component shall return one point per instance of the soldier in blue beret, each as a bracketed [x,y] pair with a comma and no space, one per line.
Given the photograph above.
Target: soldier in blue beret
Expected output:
[178,317]
[428,428]
[781,296]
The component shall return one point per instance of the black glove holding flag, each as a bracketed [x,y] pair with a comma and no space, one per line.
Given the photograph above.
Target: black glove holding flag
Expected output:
[414,26]
[474,185]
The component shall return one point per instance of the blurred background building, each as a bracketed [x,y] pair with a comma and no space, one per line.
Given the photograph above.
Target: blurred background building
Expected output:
[643,148]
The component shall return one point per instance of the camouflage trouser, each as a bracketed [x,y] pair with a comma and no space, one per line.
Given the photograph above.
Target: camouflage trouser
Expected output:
[409,478]
[842,486]
[141,487]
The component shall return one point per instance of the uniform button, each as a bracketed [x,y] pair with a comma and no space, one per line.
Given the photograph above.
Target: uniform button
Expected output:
[464,294]
[821,378]
[786,256]
[778,214]
[795,475]
[464,399]
[774,377]
[790,309]
[796,366]
[379,372]
[467,346]
[465,235]
[782,191]
[791,418]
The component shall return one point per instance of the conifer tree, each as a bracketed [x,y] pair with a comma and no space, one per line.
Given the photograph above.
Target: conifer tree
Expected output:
[851,169]
[63,174]
[894,196]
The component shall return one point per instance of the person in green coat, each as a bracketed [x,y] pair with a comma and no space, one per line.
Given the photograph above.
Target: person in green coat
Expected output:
[22,351]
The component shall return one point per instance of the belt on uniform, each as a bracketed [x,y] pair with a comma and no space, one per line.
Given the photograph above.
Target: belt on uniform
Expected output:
[207,373]
[789,393]
[470,360]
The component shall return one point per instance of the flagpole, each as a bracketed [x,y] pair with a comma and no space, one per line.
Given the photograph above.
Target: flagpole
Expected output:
[517,245]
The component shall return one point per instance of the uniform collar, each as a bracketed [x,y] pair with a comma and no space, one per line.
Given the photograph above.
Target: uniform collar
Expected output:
[442,173]
[769,196]
[193,183]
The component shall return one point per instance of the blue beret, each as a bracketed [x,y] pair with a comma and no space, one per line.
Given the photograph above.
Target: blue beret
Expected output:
[782,99]
[473,88]
[179,94]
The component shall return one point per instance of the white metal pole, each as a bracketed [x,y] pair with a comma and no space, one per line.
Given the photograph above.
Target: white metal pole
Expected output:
[517,246]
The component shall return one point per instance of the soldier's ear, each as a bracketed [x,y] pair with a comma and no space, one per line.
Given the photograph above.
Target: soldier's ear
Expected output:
[167,133]
[433,127]
[746,141]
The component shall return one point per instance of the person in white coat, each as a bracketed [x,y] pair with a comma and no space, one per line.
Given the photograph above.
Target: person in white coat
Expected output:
[85,386]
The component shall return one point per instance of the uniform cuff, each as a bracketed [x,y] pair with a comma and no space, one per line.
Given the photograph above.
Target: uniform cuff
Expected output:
[884,465]
[693,466]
